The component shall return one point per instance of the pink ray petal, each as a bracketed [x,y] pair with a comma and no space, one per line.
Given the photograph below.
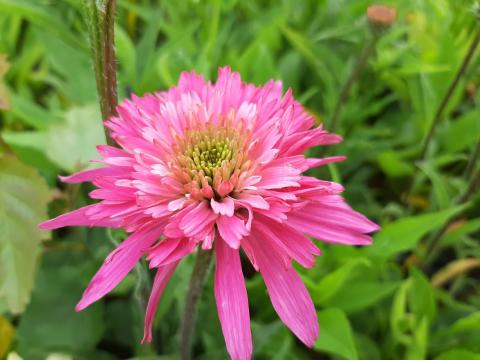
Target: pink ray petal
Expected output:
[159,252]
[118,264]
[170,250]
[340,214]
[322,230]
[232,302]
[78,218]
[288,294]
[224,207]
[290,241]
[232,229]
[161,280]
[89,175]
[253,200]
[197,219]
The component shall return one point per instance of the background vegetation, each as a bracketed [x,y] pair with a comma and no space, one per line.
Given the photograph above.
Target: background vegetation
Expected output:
[413,294]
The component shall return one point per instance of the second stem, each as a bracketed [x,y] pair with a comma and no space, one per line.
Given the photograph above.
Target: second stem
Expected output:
[199,273]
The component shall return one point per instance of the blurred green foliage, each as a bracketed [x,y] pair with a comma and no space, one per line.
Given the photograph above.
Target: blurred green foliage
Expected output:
[380,302]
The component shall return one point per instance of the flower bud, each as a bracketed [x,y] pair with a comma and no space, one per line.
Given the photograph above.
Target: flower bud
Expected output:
[381,16]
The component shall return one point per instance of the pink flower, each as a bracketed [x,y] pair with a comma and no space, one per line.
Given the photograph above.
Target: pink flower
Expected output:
[218,166]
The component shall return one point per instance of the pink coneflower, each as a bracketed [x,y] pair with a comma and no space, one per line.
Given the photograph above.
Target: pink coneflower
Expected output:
[219,166]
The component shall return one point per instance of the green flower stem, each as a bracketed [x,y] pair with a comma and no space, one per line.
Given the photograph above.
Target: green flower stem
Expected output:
[100,16]
[441,109]
[448,95]
[199,273]
[347,86]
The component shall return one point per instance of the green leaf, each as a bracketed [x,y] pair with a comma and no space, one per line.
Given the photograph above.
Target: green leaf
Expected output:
[69,144]
[417,350]
[456,235]
[51,322]
[42,16]
[126,56]
[393,165]
[461,133]
[302,44]
[468,323]
[411,313]
[422,297]
[29,112]
[398,312]
[458,354]
[23,204]
[72,143]
[439,183]
[33,139]
[335,334]
[76,80]
[357,295]
[272,340]
[367,348]
[31,151]
[404,234]
[332,282]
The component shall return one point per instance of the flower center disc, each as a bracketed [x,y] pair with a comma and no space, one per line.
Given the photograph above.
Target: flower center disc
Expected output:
[209,160]
[209,155]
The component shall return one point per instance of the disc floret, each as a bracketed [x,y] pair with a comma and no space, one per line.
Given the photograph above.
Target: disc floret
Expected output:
[209,155]
[210,159]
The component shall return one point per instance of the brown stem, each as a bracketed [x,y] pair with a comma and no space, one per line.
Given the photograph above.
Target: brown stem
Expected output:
[199,273]
[109,65]
[100,16]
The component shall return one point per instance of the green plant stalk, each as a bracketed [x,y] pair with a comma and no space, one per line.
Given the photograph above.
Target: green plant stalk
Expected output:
[448,95]
[440,110]
[347,86]
[100,16]
[199,273]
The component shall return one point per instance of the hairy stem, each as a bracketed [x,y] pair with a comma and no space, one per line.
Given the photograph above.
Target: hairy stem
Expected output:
[451,89]
[100,15]
[199,273]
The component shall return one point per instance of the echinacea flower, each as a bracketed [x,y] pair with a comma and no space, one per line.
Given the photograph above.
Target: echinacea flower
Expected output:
[218,166]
